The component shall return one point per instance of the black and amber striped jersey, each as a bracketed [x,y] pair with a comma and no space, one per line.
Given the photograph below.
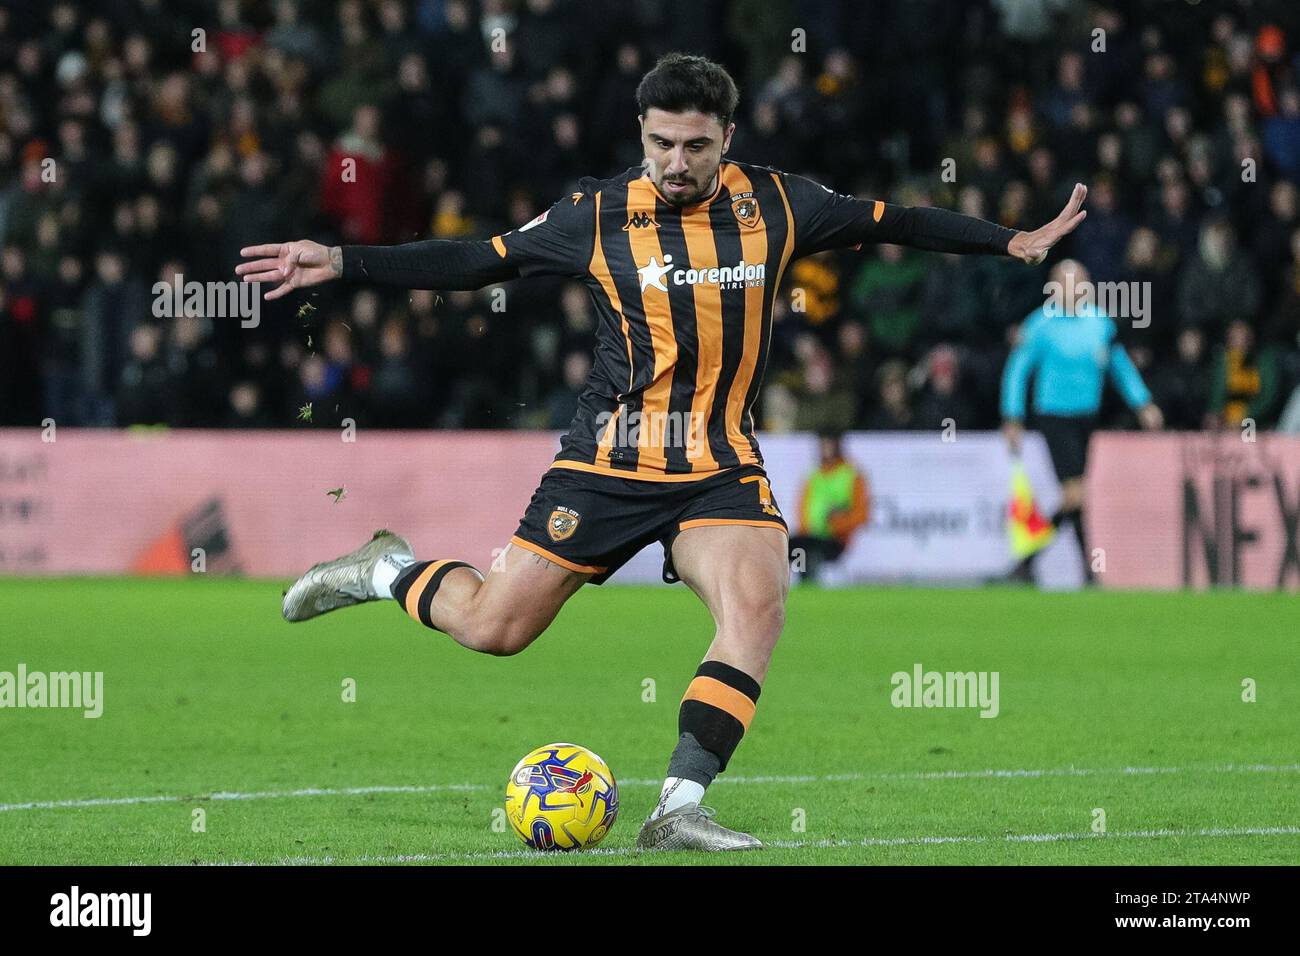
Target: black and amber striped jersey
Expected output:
[684,298]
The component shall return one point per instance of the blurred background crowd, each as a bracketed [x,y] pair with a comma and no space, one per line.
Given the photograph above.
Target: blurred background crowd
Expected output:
[172,149]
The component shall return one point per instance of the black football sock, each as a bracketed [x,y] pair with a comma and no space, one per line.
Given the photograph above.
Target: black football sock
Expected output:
[416,585]
[713,717]
[717,708]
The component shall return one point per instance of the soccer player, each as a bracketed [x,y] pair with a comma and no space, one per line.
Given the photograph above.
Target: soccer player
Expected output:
[682,257]
[1069,345]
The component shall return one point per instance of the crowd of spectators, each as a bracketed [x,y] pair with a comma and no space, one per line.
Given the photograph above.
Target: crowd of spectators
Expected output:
[146,140]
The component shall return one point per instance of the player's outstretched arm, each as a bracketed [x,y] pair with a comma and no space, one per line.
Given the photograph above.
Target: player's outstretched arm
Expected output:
[943,230]
[428,264]
[829,220]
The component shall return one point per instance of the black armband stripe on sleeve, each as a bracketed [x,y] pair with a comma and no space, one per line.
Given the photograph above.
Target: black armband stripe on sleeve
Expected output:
[940,230]
[430,264]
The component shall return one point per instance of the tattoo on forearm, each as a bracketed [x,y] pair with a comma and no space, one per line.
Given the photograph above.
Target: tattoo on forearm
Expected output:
[336,261]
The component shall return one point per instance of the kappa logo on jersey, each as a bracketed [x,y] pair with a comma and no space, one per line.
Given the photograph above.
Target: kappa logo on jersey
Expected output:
[562,523]
[746,210]
[739,276]
[640,220]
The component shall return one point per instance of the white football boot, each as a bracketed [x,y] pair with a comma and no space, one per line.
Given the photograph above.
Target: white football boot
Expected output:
[692,828]
[344,581]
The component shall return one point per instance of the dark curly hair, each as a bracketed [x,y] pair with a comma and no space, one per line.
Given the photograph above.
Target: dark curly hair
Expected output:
[681,82]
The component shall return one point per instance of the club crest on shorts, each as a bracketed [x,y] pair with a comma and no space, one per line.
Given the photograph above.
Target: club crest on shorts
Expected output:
[745,207]
[562,523]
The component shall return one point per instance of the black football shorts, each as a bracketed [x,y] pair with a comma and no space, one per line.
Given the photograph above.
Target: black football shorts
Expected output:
[595,523]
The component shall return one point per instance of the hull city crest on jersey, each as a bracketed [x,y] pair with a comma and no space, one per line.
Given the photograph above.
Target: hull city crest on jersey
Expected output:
[562,523]
[745,206]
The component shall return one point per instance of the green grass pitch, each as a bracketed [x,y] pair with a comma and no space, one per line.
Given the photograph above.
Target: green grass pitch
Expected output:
[1126,703]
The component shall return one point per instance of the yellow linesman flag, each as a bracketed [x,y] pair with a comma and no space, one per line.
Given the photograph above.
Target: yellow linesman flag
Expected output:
[1027,529]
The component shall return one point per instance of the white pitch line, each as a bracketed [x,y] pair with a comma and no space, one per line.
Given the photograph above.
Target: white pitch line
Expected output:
[930,775]
[1213,832]
[232,795]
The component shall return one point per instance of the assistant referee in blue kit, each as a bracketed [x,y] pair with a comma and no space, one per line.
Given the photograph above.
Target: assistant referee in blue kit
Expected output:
[1069,346]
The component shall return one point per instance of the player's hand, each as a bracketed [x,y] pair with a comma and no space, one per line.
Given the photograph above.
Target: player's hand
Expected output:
[294,265]
[1032,247]
[1014,433]
[1150,417]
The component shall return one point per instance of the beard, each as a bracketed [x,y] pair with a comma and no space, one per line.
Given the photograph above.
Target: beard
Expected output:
[692,194]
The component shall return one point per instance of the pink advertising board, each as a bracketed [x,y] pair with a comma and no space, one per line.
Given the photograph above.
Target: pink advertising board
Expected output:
[1196,510]
[107,502]
[1169,511]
